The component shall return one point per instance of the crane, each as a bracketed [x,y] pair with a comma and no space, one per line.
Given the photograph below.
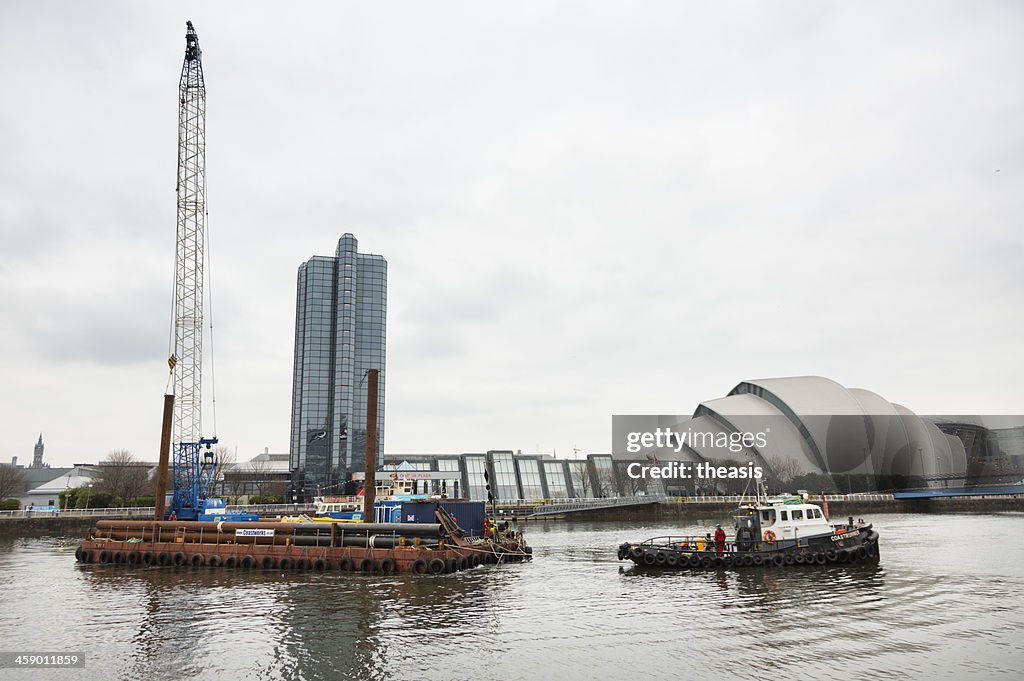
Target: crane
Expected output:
[194,460]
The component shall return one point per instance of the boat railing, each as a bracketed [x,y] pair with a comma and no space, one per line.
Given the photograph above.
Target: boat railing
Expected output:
[688,541]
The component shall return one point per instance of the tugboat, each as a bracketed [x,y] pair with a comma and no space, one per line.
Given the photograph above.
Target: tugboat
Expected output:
[780,531]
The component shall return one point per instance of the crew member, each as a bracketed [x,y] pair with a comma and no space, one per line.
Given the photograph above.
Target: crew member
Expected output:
[720,539]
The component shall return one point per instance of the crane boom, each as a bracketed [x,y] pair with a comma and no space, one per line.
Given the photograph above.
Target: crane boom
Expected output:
[194,462]
[188,271]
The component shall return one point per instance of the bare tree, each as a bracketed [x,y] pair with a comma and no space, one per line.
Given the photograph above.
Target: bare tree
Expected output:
[606,485]
[783,470]
[259,475]
[122,476]
[581,482]
[227,482]
[13,482]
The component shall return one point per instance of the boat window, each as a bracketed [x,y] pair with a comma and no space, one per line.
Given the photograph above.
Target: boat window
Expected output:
[768,515]
[783,515]
[817,513]
[798,515]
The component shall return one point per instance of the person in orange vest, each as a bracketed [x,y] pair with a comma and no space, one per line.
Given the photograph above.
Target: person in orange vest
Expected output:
[487,528]
[720,539]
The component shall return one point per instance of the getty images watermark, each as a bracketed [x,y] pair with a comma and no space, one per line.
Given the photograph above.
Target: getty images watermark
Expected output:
[658,447]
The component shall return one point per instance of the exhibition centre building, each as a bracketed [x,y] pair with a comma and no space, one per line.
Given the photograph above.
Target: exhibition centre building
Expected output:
[804,432]
[816,425]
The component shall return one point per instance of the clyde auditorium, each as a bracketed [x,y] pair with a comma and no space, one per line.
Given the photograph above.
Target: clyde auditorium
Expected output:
[816,427]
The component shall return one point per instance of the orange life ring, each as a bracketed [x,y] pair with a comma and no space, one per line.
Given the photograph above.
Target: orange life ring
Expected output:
[769,536]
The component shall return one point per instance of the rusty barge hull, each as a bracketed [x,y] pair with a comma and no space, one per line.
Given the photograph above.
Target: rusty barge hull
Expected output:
[205,545]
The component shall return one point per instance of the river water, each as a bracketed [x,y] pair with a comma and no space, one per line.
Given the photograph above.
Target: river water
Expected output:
[944,602]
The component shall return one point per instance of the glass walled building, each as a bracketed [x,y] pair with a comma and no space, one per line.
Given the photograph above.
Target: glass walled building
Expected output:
[522,477]
[340,320]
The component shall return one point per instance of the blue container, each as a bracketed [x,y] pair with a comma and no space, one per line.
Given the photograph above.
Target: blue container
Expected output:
[387,511]
[468,514]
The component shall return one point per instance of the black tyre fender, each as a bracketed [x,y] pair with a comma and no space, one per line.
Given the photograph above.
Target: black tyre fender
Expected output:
[147,558]
[452,565]
[231,562]
[843,556]
[118,557]
[649,558]
[179,558]
[748,561]
[368,565]
[248,562]
[693,561]
[872,549]
[78,554]
[268,563]
[831,555]
[660,557]
[420,567]
[799,559]
[672,560]
[163,559]
[436,566]
[789,559]
[197,560]
[389,566]
[862,553]
[133,557]
[345,565]
[463,563]
[820,558]
[475,560]
[285,563]
[302,564]
[778,560]
[319,564]
[706,562]
[758,559]
[727,561]
[215,561]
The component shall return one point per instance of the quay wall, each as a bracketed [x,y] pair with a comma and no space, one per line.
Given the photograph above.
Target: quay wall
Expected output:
[716,511]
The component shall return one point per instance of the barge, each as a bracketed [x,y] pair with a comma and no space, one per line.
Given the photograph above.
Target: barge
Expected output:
[777,532]
[372,548]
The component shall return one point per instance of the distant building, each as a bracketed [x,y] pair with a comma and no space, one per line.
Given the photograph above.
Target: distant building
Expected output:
[267,474]
[37,458]
[340,319]
[514,476]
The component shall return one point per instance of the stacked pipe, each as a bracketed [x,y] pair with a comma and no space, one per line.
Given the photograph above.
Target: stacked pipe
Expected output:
[370,535]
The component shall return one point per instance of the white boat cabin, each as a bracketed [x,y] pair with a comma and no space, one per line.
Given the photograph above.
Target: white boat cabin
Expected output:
[788,520]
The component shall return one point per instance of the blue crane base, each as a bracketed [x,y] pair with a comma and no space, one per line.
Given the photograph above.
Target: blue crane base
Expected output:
[195,468]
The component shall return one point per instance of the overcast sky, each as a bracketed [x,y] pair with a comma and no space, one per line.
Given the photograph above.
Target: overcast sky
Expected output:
[587,209]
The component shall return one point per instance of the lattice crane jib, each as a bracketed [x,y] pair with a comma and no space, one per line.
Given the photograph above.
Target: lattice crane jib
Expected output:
[193,460]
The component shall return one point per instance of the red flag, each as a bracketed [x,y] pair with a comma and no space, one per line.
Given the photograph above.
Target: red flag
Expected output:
[824,505]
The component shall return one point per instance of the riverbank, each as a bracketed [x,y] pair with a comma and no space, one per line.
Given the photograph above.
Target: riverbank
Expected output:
[71,525]
[717,510]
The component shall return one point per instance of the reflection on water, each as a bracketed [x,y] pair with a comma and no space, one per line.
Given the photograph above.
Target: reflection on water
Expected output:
[944,602]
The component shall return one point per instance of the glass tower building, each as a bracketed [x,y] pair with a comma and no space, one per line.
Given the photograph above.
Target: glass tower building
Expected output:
[340,315]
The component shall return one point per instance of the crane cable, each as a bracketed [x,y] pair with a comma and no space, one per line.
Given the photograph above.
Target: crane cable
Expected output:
[209,293]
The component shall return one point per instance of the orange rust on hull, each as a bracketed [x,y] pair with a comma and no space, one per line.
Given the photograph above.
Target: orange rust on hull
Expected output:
[407,559]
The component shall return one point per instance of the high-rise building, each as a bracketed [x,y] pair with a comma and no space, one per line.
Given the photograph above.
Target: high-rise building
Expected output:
[340,316]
